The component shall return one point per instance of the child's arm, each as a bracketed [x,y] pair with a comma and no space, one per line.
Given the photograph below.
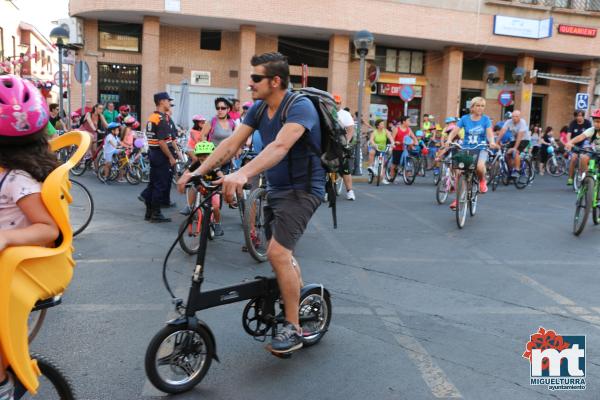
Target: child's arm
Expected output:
[43,229]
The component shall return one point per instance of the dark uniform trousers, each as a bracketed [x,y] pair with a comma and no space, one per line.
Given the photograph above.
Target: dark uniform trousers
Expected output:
[159,186]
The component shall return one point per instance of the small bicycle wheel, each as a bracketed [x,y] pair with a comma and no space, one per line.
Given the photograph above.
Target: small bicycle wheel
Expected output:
[583,205]
[474,193]
[371,177]
[442,188]
[53,382]
[134,174]
[178,358]
[379,171]
[254,225]
[81,209]
[189,238]
[461,201]
[596,215]
[409,173]
[315,315]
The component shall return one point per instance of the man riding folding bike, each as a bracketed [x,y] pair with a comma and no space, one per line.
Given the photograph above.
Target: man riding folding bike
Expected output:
[293,194]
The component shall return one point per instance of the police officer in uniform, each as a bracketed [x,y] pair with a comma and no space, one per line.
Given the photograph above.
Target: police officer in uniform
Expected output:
[161,135]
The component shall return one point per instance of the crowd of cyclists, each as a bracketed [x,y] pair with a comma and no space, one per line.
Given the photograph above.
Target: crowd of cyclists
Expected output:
[117,139]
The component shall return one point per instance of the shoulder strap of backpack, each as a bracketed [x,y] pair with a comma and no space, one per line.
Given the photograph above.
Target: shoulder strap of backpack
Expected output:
[213,124]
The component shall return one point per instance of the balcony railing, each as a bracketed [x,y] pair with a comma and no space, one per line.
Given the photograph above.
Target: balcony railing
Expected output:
[580,5]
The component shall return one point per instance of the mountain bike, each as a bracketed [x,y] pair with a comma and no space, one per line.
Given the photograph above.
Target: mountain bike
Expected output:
[180,354]
[381,160]
[587,194]
[467,188]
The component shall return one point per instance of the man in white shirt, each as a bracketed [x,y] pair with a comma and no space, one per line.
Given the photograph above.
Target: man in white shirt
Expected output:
[345,118]
[520,138]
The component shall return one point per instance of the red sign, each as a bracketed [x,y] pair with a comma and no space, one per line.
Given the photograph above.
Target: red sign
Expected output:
[577,30]
[373,74]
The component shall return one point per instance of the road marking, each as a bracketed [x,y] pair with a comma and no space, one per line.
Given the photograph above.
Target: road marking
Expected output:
[434,376]
[532,283]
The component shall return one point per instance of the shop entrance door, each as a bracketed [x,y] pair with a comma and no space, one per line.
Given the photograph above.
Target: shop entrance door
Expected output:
[120,84]
[537,109]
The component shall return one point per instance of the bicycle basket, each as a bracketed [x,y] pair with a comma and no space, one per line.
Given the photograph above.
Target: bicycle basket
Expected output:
[463,160]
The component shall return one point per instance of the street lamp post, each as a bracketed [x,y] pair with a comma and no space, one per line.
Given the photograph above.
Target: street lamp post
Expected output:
[60,37]
[363,40]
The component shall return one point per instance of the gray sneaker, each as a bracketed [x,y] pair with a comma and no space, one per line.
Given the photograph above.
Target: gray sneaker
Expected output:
[219,230]
[287,339]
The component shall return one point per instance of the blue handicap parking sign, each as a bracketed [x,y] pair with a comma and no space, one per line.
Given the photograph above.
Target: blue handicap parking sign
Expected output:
[582,101]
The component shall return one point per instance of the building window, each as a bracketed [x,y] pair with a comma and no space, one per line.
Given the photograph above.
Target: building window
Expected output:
[120,36]
[210,40]
[314,53]
[542,67]
[509,67]
[473,69]
[402,61]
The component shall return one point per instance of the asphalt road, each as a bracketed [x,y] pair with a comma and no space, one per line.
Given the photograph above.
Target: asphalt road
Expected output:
[421,309]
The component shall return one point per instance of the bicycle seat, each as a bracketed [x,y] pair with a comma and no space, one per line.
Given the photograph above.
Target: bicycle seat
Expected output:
[29,274]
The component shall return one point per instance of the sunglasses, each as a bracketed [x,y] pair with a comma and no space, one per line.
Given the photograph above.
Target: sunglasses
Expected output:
[221,108]
[257,78]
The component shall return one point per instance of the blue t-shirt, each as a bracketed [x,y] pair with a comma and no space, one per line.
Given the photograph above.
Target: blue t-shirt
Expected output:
[475,131]
[300,112]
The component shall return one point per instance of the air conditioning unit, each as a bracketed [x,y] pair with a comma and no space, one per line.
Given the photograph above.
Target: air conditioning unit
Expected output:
[370,54]
[75,26]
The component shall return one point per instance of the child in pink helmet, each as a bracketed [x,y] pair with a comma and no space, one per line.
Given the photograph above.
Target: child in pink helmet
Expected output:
[195,135]
[25,162]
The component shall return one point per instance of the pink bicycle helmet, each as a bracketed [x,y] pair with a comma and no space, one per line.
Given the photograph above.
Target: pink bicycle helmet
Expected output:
[129,120]
[198,117]
[247,104]
[23,111]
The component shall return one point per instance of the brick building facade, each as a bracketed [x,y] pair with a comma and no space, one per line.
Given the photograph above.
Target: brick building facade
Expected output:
[441,49]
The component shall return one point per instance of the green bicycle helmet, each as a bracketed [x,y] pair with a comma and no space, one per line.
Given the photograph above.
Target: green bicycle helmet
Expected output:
[204,148]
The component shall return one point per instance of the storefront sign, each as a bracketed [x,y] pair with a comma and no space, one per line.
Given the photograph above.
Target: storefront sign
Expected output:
[407,93]
[200,78]
[393,89]
[505,98]
[173,5]
[577,30]
[522,27]
[407,81]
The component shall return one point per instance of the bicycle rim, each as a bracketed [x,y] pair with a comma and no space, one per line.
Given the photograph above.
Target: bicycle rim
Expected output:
[254,225]
[409,171]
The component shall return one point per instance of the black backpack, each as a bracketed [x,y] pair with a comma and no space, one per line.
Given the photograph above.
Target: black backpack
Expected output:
[335,148]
